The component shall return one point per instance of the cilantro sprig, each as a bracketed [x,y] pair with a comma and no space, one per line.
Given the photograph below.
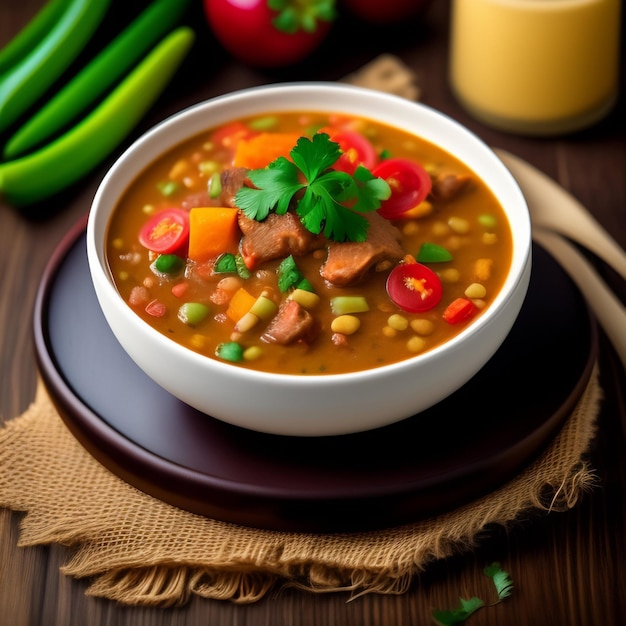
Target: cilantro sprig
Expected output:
[326,200]
[504,587]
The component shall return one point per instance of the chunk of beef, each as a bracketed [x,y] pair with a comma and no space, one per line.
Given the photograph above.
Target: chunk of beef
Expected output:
[291,323]
[232,180]
[350,262]
[275,237]
[448,186]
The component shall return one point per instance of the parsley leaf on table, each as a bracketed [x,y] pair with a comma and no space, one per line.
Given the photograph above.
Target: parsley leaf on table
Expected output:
[326,200]
[504,587]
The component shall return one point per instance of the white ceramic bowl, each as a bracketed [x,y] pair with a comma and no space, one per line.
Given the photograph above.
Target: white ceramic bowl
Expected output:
[312,405]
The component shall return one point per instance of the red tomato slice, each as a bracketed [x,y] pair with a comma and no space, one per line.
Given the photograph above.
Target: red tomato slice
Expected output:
[414,287]
[357,150]
[410,184]
[166,231]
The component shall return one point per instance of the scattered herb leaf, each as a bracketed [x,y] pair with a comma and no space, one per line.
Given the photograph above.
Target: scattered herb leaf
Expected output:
[288,274]
[504,587]
[501,580]
[225,263]
[326,200]
[460,614]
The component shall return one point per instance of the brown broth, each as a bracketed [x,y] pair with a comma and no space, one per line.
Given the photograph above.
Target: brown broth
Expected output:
[374,344]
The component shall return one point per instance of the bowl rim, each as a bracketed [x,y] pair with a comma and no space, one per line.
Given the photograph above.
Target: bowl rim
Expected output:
[319,93]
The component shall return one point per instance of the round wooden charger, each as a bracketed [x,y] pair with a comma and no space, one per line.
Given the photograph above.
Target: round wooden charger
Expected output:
[466,446]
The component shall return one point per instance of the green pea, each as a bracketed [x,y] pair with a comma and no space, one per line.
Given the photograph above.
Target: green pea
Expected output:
[168,264]
[487,220]
[192,313]
[229,351]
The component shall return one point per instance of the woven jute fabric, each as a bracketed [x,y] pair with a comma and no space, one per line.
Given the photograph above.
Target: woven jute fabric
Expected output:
[138,550]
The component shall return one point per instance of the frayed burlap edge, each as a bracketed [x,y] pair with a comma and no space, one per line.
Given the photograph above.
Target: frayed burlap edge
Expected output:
[139,551]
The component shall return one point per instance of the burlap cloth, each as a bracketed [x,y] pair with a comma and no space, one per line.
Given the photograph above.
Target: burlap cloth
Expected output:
[138,550]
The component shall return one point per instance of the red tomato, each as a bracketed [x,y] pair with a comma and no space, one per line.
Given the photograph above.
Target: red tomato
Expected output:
[357,150]
[410,184]
[386,11]
[166,231]
[414,287]
[264,37]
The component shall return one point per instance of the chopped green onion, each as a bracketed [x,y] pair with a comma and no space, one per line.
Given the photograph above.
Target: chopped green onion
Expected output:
[242,270]
[214,185]
[168,188]
[288,274]
[433,253]
[263,123]
[192,313]
[229,351]
[487,220]
[340,305]
[305,285]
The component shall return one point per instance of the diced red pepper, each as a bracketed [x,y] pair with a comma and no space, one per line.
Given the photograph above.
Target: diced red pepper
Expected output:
[459,310]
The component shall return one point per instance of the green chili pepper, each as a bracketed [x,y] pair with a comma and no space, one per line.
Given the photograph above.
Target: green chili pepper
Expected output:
[64,161]
[92,81]
[31,34]
[30,78]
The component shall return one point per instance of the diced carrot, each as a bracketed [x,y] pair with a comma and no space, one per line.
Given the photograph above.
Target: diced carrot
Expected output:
[212,231]
[259,151]
[240,304]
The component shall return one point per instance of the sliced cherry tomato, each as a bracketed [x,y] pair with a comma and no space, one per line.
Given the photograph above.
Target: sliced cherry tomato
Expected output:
[357,150]
[459,310]
[267,33]
[166,231]
[410,184]
[414,287]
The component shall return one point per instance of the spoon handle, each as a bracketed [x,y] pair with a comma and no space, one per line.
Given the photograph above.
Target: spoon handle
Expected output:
[553,207]
[609,311]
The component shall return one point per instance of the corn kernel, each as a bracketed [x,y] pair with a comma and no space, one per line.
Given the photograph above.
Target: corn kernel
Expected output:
[252,353]
[475,290]
[398,322]
[415,344]
[450,275]
[459,225]
[422,326]
[345,324]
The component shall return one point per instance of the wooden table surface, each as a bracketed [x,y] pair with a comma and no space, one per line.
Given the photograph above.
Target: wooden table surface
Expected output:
[568,568]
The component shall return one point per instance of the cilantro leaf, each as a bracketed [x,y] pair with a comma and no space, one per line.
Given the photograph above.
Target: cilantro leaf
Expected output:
[275,186]
[504,587]
[326,200]
[501,580]
[460,614]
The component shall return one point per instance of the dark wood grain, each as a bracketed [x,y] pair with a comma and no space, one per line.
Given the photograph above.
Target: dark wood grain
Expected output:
[567,567]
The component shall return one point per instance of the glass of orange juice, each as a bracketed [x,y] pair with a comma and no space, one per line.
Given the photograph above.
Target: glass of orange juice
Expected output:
[536,67]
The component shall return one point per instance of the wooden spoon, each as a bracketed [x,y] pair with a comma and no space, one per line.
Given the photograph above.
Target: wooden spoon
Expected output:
[553,208]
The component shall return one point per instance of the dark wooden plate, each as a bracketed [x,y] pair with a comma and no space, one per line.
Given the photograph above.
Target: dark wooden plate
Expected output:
[469,444]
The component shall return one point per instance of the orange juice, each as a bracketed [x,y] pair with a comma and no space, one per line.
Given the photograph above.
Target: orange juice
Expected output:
[535,66]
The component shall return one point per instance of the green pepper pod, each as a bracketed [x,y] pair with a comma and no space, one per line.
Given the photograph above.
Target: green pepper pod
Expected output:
[91,82]
[21,86]
[67,159]
[31,34]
